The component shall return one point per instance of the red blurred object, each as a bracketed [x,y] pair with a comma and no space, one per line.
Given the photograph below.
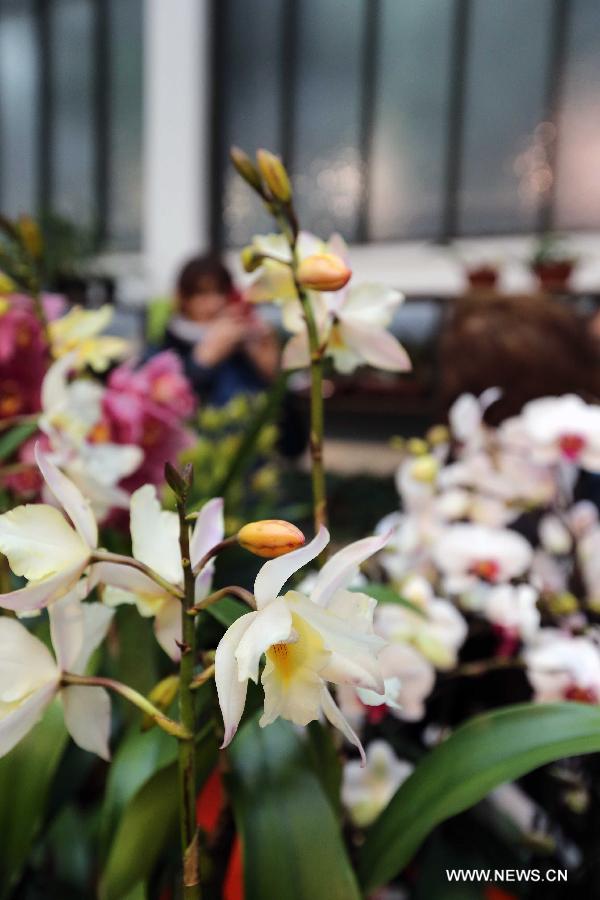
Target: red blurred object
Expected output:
[210,802]
[483,277]
[494,893]
[554,275]
[233,886]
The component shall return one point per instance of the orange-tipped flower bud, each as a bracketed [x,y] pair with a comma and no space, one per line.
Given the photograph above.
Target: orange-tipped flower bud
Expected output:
[246,168]
[323,272]
[270,537]
[274,175]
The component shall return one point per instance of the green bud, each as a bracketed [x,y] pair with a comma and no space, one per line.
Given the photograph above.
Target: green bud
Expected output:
[246,168]
[274,175]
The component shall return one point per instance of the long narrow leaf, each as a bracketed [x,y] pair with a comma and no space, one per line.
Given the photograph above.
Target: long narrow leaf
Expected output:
[487,751]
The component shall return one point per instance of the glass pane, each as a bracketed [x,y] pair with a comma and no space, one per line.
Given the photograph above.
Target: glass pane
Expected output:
[125,126]
[578,186]
[409,149]
[504,167]
[19,113]
[251,69]
[326,159]
[71,35]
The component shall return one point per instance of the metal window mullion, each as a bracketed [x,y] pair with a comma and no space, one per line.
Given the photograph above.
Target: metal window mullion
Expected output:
[557,58]
[288,61]
[101,118]
[456,116]
[45,136]
[371,35]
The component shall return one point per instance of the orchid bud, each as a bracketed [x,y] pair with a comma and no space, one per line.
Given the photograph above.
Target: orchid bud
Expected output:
[251,260]
[246,168]
[270,537]
[425,469]
[437,435]
[417,446]
[323,272]
[274,175]
[161,695]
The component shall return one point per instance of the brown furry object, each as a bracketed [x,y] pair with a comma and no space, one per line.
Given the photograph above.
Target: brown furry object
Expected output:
[530,346]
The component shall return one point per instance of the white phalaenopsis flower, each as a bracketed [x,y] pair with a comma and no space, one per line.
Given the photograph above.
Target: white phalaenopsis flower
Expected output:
[71,410]
[466,419]
[557,430]
[30,677]
[467,553]
[155,542]
[563,667]
[513,608]
[308,641]
[44,547]
[367,790]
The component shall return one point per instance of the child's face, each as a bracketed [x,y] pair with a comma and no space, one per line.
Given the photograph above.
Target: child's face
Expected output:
[205,304]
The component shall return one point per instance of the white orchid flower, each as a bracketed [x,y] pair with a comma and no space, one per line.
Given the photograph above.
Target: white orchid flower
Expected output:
[408,680]
[155,542]
[45,547]
[562,667]
[30,677]
[438,631]
[466,553]
[274,280]
[367,791]
[466,419]
[71,411]
[354,329]
[308,641]
[557,430]
[513,608]
[554,535]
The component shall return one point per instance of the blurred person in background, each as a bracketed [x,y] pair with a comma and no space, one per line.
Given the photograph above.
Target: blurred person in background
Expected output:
[226,349]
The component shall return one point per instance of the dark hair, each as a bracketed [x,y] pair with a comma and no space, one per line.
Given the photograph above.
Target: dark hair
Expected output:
[203,273]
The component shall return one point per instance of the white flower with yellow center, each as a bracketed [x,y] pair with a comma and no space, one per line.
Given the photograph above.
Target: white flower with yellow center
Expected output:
[45,547]
[155,542]
[30,677]
[307,641]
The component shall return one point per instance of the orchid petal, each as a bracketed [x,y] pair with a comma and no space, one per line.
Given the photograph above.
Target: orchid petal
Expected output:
[127,578]
[38,541]
[25,662]
[168,629]
[376,346]
[272,626]
[203,582]
[296,353]
[66,629]
[230,690]
[274,573]
[343,566]
[155,534]
[96,621]
[16,723]
[87,717]
[38,594]
[334,714]
[208,530]
[70,498]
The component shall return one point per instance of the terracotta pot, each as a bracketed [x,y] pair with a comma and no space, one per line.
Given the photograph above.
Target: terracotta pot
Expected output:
[554,275]
[482,277]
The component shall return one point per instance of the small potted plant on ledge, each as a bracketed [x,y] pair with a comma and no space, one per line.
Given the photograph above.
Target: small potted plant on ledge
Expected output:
[552,264]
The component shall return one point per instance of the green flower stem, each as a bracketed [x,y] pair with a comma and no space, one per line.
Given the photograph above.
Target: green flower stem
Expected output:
[40,313]
[187,712]
[232,590]
[119,559]
[133,696]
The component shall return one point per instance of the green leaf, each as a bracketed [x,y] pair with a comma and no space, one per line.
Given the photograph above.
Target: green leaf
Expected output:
[12,440]
[292,843]
[140,755]
[383,593]
[26,774]
[148,824]
[488,750]
[227,610]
